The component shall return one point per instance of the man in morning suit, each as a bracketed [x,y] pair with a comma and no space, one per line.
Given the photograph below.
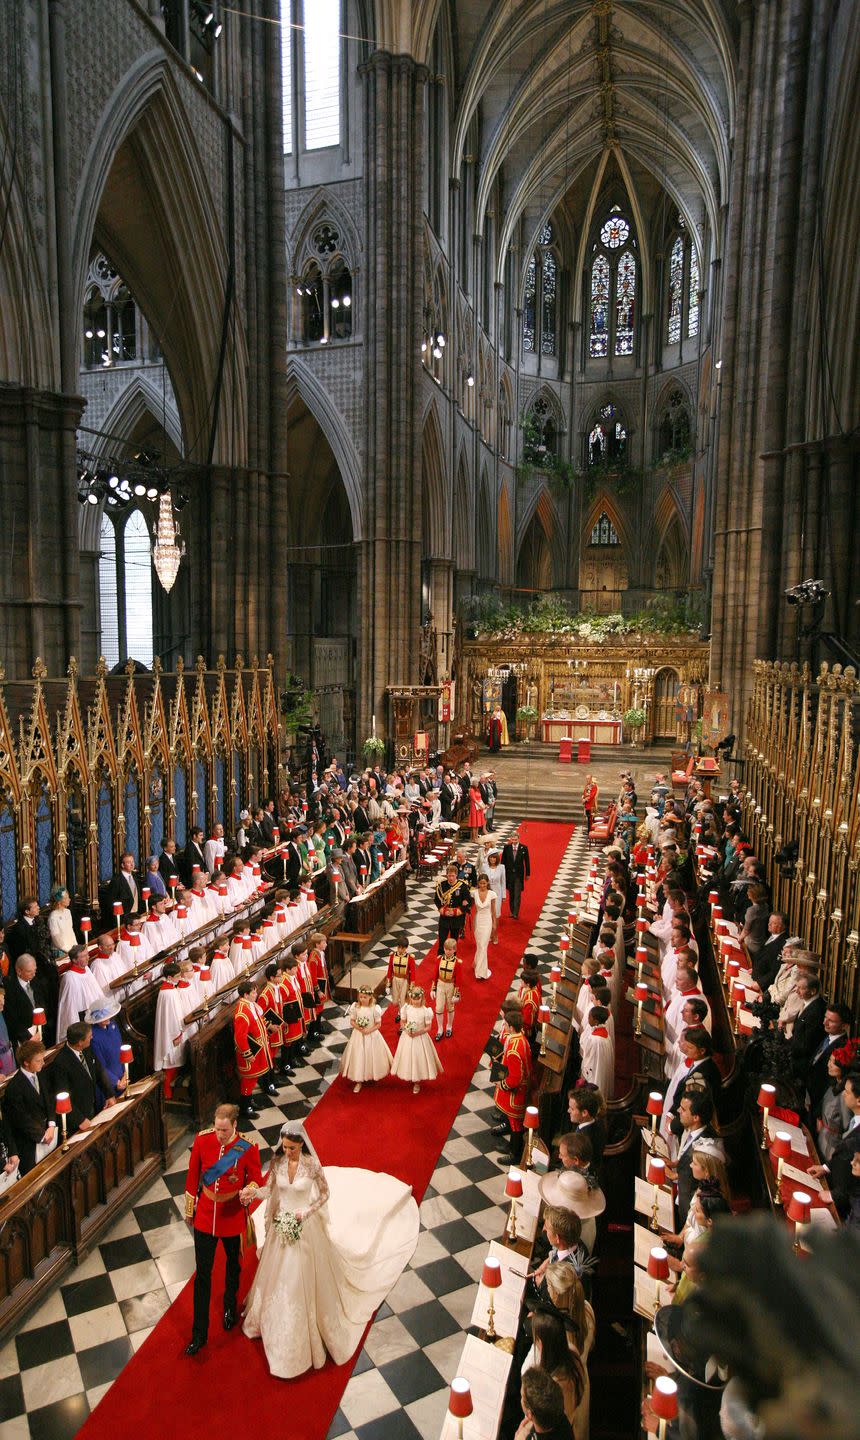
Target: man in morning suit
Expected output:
[124,887]
[28,1106]
[223,1163]
[515,859]
[77,1070]
[25,992]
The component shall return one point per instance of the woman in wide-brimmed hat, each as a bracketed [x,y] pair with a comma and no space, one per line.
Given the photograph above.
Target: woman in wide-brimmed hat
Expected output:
[572,1190]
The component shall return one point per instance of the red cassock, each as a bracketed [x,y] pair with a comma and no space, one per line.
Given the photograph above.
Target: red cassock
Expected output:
[530,998]
[251,1040]
[271,1002]
[316,961]
[294,1025]
[512,1092]
[216,1208]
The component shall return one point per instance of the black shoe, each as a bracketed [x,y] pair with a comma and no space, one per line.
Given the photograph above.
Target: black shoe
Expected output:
[230,1317]
[286,1069]
[269,1089]
[500,1130]
[194,1346]
[304,1050]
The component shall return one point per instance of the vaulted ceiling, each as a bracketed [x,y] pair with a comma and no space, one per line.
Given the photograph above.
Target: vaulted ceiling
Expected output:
[552,97]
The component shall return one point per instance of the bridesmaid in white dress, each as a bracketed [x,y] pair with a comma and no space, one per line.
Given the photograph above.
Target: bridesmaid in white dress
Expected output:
[333,1243]
[484,923]
[366,1057]
[415,1058]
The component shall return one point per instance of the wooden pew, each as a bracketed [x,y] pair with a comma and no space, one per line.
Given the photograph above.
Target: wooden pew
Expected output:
[50,1220]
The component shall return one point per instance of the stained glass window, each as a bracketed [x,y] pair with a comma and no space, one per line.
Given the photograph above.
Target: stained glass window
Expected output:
[600,306]
[614,232]
[138,588]
[676,282]
[625,301]
[693,303]
[547,339]
[545,237]
[603,531]
[529,306]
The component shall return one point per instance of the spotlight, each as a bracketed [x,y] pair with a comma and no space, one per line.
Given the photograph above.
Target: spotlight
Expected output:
[88,334]
[209,18]
[335,304]
[181,500]
[423,347]
[139,488]
[347,300]
[113,481]
[470,381]
[152,493]
[92,498]
[440,340]
[808,592]
[323,339]
[218,28]
[437,353]
[198,75]
[299,290]
[101,334]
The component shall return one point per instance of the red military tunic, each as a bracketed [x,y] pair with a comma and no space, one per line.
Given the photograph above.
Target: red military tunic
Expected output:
[530,997]
[271,1002]
[250,1037]
[401,966]
[216,1209]
[316,961]
[512,1092]
[294,1025]
[306,981]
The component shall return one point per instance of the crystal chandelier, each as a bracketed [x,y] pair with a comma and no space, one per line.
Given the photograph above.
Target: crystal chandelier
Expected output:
[169,548]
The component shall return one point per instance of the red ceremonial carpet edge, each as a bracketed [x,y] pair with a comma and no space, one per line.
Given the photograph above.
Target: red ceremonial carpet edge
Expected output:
[385,1128]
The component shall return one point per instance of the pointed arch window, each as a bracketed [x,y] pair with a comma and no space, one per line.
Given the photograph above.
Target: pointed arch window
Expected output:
[540,298]
[125,589]
[607,441]
[625,303]
[603,531]
[693,301]
[676,289]
[600,307]
[311,32]
[682,289]
[613,288]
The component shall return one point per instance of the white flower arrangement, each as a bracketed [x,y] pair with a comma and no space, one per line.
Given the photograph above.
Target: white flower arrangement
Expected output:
[288,1226]
[362,1022]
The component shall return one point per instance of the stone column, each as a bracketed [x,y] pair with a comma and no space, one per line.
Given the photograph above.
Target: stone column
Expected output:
[390,569]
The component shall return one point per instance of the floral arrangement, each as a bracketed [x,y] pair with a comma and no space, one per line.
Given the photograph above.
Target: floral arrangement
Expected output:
[361,1022]
[288,1226]
[551,614]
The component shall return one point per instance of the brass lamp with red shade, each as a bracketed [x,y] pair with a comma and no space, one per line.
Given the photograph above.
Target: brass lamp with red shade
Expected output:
[544,1016]
[641,993]
[460,1402]
[126,1056]
[658,1269]
[117,910]
[780,1149]
[63,1107]
[513,1192]
[799,1210]
[491,1277]
[654,1108]
[656,1176]
[664,1403]
[531,1122]
[766,1099]
[40,1019]
[738,994]
[641,957]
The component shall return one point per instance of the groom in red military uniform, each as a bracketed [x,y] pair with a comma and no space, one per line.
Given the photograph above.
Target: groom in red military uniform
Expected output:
[222,1163]
[511,1093]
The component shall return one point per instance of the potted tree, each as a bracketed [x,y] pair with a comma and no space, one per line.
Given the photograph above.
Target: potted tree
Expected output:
[373,749]
[526,717]
[634,724]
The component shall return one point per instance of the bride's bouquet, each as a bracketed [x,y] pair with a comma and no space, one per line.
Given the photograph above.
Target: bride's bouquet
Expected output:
[288,1226]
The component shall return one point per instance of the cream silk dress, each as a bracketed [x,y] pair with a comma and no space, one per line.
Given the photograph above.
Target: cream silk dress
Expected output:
[314,1298]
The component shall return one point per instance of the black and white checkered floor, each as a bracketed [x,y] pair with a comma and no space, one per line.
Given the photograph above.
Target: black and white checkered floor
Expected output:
[72,1348]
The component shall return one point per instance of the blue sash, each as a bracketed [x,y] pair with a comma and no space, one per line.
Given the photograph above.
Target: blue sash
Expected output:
[230,1158]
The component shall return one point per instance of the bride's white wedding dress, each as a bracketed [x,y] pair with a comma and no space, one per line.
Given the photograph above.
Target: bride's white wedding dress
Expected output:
[316,1296]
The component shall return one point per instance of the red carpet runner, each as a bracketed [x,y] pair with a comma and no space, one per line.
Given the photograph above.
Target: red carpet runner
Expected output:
[387,1128]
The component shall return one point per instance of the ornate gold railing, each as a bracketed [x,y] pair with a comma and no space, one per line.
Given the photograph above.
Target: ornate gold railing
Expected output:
[90,765]
[802,783]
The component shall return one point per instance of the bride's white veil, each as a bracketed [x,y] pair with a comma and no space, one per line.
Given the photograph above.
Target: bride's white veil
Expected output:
[295,1130]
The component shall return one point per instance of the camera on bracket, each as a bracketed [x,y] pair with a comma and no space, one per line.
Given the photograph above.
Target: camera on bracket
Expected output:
[786,859]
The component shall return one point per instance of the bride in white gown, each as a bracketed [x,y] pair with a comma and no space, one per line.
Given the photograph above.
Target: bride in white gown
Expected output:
[313,1295]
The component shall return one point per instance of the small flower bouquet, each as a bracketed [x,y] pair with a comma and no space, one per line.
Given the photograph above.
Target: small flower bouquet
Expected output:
[361,1022]
[411,1028]
[288,1226]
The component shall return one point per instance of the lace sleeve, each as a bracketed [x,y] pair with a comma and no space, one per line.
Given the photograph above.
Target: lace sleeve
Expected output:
[322,1190]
